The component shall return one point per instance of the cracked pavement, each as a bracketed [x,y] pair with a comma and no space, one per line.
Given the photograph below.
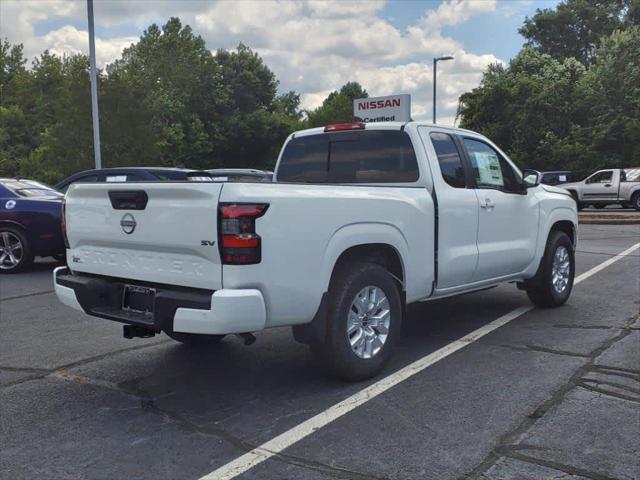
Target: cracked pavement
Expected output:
[555,394]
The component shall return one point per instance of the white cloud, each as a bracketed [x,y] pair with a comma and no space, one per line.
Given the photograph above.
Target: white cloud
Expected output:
[18,20]
[454,12]
[70,40]
[312,46]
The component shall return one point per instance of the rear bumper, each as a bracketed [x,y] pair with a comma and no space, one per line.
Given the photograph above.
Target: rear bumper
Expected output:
[175,309]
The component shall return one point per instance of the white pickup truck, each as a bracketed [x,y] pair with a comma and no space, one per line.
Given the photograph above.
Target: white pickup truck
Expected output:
[608,187]
[360,221]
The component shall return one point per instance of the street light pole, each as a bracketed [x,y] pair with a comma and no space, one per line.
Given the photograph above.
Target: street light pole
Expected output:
[94,87]
[435,66]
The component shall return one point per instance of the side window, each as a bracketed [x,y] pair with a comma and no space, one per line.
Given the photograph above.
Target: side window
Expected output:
[489,168]
[601,177]
[449,159]
[382,156]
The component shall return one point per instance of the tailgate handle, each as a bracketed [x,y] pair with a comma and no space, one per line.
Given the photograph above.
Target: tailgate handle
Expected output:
[128,199]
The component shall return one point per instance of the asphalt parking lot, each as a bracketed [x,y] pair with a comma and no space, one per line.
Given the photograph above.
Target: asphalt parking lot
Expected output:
[551,394]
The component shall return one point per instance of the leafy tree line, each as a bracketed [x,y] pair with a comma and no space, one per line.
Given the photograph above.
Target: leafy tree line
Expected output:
[167,101]
[571,98]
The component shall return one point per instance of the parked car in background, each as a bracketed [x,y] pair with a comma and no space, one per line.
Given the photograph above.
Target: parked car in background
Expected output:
[124,174]
[557,177]
[361,220]
[240,175]
[29,223]
[613,186]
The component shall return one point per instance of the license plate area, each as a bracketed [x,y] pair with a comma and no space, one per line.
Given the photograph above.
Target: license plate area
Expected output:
[137,299]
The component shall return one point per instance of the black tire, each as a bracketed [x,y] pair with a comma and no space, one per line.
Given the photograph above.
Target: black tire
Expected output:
[635,201]
[195,339]
[540,288]
[12,235]
[336,351]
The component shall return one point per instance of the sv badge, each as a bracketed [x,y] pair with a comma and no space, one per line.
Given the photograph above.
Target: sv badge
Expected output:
[207,243]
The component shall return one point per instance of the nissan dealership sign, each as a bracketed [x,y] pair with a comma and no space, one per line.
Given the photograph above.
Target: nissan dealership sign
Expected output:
[394,108]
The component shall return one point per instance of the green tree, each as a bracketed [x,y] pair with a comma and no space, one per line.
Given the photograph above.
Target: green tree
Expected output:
[526,108]
[252,110]
[167,101]
[338,106]
[574,27]
[177,83]
[610,100]
[571,99]
[61,114]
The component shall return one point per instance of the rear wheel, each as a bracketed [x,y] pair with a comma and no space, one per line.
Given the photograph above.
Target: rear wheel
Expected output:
[15,251]
[364,321]
[553,282]
[195,339]
[635,201]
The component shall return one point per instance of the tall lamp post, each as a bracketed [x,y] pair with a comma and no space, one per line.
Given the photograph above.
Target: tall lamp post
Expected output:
[435,64]
[94,87]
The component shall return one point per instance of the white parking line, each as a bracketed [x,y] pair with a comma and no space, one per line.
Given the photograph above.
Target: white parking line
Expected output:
[297,433]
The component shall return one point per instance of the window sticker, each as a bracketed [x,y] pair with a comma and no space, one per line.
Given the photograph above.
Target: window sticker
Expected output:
[562,178]
[117,178]
[489,168]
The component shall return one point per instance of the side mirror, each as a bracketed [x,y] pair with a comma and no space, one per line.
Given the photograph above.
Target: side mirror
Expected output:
[531,178]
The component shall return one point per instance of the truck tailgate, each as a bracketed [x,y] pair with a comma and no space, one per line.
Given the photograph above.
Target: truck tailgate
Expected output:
[154,232]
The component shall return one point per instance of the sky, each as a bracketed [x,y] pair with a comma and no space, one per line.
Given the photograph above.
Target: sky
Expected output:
[313,47]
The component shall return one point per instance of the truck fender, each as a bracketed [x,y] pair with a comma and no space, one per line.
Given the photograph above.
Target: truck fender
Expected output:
[346,237]
[356,234]
[558,214]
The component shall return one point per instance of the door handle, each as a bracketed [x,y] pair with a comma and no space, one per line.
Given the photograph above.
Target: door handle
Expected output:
[607,184]
[487,204]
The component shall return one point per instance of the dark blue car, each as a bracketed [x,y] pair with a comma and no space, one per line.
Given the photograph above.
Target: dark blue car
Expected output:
[29,223]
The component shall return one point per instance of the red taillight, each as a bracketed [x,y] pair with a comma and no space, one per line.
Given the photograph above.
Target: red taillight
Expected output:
[239,242]
[337,127]
[63,224]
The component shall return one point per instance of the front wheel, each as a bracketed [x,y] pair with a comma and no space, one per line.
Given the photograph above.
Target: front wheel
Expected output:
[364,321]
[553,282]
[635,201]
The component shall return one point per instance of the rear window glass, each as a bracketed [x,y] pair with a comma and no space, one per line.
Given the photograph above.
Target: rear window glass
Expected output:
[376,156]
[305,159]
[28,188]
